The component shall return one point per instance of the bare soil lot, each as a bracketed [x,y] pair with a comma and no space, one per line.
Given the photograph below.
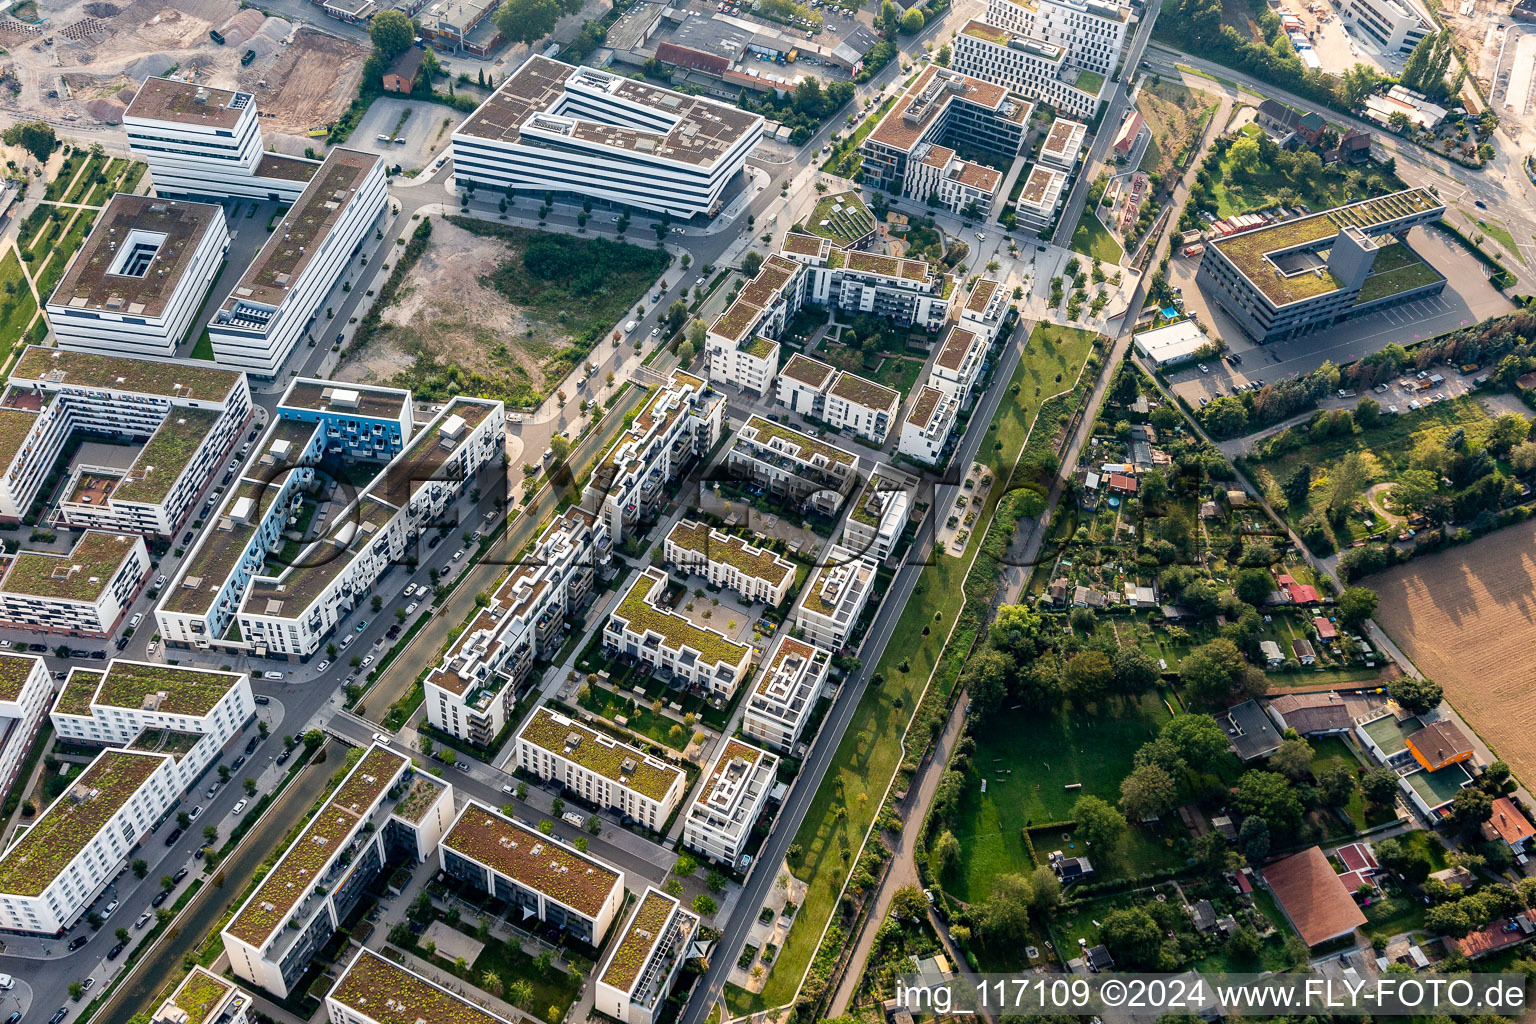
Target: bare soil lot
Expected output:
[309,82]
[1465,616]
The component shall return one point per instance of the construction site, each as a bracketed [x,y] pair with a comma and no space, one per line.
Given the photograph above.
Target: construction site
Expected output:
[78,65]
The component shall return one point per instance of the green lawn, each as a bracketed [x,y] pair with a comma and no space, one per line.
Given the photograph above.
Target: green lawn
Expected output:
[1494,229]
[556,990]
[19,306]
[1328,751]
[871,749]
[1387,916]
[1392,282]
[1244,193]
[898,373]
[643,720]
[1092,238]
[204,347]
[63,250]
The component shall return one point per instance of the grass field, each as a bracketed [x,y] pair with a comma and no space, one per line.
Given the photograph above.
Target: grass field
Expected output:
[555,990]
[898,373]
[19,306]
[1258,190]
[1092,238]
[1176,115]
[1495,230]
[871,749]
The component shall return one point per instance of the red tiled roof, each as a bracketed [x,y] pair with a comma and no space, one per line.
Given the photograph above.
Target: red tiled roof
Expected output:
[1120,482]
[1357,857]
[1313,897]
[1487,940]
[1509,822]
[1326,630]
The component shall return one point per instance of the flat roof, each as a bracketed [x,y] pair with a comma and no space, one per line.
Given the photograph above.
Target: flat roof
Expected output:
[388,993]
[756,562]
[906,123]
[1178,340]
[200,995]
[199,381]
[537,861]
[641,933]
[1439,788]
[805,447]
[31,863]
[166,99]
[639,610]
[601,753]
[957,343]
[1060,136]
[166,455]
[78,691]
[345,399]
[980,296]
[923,407]
[862,391]
[301,232]
[166,689]
[286,168]
[15,670]
[844,572]
[807,370]
[171,230]
[698,131]
[83,574]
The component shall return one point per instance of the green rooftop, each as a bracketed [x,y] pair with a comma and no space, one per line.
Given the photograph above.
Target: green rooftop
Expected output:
[676,631]
[79,689]
[601,754]
[200,995]
[751,560]
[423,792]
[806,446]
[532,859]
[192,381]
[640,937]
[166,689]
[166,456]
[15,670]
[1438,788]
[862,391]
[389,994]
[81,575]
[843,219]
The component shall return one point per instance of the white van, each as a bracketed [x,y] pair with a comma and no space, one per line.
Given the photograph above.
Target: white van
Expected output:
[629,327]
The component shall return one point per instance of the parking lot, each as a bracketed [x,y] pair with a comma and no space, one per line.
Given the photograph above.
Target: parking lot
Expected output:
[423,132]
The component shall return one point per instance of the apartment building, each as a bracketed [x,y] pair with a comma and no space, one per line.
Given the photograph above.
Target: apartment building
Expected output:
[281,295]
[204,998]
[139,280]
[929,422]
[957,369]
[834,597]
[1297,276]
[540,876]
[1396,26]
[81,593]
[878,516]
[599,769]
[201,141]
[794,466]
[640,972]
[802,384]
[182,417]
[26,691]
[680,422]
[728,561]
[943,108]
[670,643]
[1041,197]
[360,421]
[740,342]
[384,812]
[375,990]
[985,310]
[861,406]
[582,132]
[733,797]
[938,176]
[786,692]
[1063,144]
[473,693]
[1028,66]
[905,292]
[58,866]
[1092,32]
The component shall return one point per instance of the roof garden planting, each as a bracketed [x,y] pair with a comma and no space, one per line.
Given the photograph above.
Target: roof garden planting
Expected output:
[205,383]
[81,575]
[676,631]
[736,321]
[73,820]
[15,425]
[422,794]
[760,347]
[854,571]
[602,754]
[390,994]
[532,859]
[79,690]
[843,219]
[871,504]
[803,245]
[200,995]
[988,33]
[806,446]
[862,391]
[923,407]
[166,741]
[15,670]
[640,937]
[164,688]
[758,563]
[166,455]
[807,370]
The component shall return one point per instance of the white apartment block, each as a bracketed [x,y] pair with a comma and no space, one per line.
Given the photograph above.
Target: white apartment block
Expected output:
[740,341]
[929,422]
[1063,144]
[787,690]
[1028,66]
[202,141]
[376,990]
[282,294]
[1043,192]
[669,642]
[749,364]
[835,597]
[384,808]
[957,369]
[680,421]
[878,517]
[985,310]
[205,998]
[906,292]
[755,573]
[81,593]
[189,713]
[861,406]
[1093,32]
[735,794]
[939,177]
[26,691]
[52,873]
[184,417]
[473,692]
[792,465]
[802,384]
[1395,26]
[599,769]
[139,279]
[538,874]
[644,964]
[583,132]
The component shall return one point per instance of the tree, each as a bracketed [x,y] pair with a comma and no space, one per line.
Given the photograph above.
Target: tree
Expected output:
[391,32]
[210,834]
[520,994]
[909,903]
[1004,915]
[561,446]
[526,21]
[1211,670]
[140,868]
[696,334]
[715,881]
[703,905]
[946,851]
[1409,860]
[685,865]
[36,137]
[1133,671]
[491,982]
[1243,155]
[1148,792]
[183,819]
[912,22]
[1416,696]
[544,963]
[1379,786]
[1356,605]
[1469,809]
[1198,739]
[1293,759]
[1337,785]
[1086,677]
[1016,629]
[121,935]
[1225,417]
[76,990]
[250,786]
[1253,837]
[752,262]
[1253,586]
[1133,938]
[986,679]
[1269,795]
[1098,822]
[167,882]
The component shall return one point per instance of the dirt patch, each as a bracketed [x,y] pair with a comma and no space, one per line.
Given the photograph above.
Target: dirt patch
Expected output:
[309,82]
[1465,616]
[1377,496]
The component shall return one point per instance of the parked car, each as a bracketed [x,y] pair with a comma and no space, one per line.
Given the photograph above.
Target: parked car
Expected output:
[211,790]
[194,812]
[368,661]
[112,954]
[250,746]
[411,607]
[170,840]
[78,941]
[239,807]
[160,897]
[325,664]
[110,909]
[59,1015]
[360,626]
[262,698]
[179,875]
[144,919]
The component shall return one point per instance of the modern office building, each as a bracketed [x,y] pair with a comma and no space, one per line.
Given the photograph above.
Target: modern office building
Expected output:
[376,990]
[835,596]
[645,962]
[670,643]
[1395,26]
[83,592]
[281,296]
[1302,275]
[728,561]
[136,284]
[599,769]
[59,865]
[201,141]
[183,418]
[204,998]
[578,131]
[878,517]
[538,875]
[733,797]
[680,422]
[929,423]
[473,693]
[1092,32]
[1028,66]
[1063,144]
[957,370]
[947,110]
[794,466]
[384,811]
[787,689]
[26,691]
[1040,199]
